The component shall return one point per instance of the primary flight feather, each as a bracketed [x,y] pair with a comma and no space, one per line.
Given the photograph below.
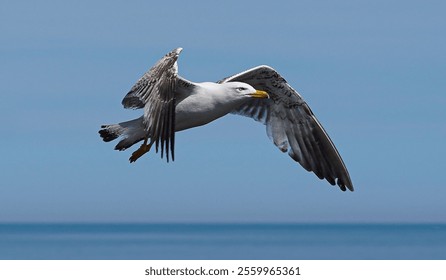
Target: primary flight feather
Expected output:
[172,103]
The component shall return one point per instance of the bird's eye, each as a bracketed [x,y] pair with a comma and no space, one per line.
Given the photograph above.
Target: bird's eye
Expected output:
[241,88]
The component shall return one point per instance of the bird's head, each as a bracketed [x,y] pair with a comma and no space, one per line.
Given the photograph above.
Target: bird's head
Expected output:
[244,90]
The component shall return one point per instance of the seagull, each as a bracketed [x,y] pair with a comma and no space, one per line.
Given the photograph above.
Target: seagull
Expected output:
[172,103]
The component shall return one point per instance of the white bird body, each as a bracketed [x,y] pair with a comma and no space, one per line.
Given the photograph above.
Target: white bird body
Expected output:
[172,104]
[208,102]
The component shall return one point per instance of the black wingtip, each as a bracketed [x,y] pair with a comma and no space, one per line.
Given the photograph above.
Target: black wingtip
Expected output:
[344,186]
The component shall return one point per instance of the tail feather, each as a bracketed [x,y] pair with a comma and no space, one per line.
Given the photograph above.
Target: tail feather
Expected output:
[131,132]
[110,132]
[127,143]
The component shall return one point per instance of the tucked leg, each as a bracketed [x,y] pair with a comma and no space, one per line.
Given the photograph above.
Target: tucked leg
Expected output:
[141,151]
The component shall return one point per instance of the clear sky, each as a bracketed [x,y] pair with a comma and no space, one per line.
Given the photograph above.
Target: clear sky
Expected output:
[373,72]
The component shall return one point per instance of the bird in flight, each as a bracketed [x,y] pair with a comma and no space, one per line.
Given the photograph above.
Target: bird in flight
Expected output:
[171,103]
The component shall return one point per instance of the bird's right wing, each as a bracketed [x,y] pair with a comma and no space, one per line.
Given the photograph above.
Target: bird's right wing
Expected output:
[292,126]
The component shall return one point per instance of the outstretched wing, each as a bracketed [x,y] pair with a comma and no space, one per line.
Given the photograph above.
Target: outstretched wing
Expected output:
[155,92]
[292,126]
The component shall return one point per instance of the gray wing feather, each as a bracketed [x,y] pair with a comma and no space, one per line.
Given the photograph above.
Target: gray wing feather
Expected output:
[292,126]
[133,101]
[155,92]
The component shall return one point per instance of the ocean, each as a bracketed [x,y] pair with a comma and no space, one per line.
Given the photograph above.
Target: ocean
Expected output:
[222,241]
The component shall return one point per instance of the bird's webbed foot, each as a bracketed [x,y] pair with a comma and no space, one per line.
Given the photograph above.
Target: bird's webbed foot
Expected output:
[140,152]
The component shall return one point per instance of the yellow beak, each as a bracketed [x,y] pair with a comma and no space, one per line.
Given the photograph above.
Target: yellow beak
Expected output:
[259,94]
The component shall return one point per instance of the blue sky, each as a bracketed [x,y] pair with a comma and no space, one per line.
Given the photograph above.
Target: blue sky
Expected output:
[373,72]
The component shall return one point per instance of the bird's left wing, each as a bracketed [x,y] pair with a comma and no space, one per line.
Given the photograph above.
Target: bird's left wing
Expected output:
[292,126]
[155,92]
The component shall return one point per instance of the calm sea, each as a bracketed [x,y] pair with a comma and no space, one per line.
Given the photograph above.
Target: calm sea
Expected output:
[222,241]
